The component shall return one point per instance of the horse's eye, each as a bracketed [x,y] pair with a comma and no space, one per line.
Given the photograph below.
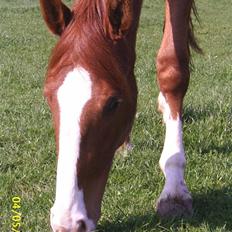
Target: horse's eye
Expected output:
[112,104]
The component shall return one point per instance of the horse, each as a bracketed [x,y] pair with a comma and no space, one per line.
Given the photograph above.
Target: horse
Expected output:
[91,91]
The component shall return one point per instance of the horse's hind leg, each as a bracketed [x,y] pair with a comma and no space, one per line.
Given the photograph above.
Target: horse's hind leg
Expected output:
[173,77]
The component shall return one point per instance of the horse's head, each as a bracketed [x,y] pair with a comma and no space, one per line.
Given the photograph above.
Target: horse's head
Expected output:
[91,92]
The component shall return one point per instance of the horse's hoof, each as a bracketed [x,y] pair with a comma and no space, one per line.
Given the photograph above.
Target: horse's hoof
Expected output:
[174,207]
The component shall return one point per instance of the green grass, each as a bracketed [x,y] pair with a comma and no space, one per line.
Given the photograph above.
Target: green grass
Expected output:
[27,149]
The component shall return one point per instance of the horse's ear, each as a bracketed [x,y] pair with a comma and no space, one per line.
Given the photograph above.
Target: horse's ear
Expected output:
[119,18]
[56,15]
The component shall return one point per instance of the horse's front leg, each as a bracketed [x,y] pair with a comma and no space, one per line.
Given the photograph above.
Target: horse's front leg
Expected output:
[173,78]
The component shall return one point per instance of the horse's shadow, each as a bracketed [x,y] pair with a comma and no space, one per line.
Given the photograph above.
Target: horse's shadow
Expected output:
[191,115]
[212,209]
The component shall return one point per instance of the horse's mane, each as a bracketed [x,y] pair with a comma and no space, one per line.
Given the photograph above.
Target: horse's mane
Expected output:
[84,43]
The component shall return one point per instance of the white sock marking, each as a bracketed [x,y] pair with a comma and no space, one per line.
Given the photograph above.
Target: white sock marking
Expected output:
[69,206]
[172,160]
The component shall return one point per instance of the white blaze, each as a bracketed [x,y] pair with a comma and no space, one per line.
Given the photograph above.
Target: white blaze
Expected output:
[69,206]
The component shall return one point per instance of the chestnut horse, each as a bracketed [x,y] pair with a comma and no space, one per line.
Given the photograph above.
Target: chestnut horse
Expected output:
[91,90]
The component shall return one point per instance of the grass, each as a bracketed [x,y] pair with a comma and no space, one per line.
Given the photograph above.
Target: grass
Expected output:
[27,150]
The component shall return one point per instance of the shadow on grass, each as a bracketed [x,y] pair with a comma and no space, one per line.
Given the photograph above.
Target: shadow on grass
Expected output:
[191,115]
[226,149]
[212,208]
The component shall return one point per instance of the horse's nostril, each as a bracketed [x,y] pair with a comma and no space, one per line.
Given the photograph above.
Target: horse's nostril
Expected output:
[81,227]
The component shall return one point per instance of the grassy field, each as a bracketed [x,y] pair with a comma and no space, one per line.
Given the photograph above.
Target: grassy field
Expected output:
[27,150]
